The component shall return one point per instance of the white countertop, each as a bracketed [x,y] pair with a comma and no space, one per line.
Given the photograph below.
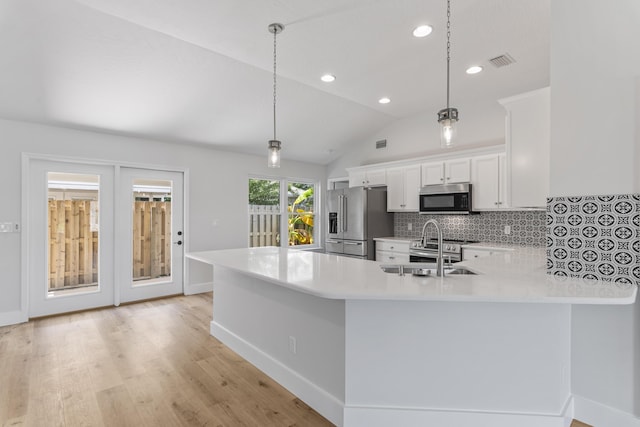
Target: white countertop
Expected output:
[514,276]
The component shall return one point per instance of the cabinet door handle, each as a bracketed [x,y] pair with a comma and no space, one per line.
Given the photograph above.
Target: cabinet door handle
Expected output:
[441,179]
[391,247]
[392,257]
[495,203]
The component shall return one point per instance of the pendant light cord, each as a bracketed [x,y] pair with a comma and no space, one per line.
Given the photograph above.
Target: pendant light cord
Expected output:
[275,33]
[448,46]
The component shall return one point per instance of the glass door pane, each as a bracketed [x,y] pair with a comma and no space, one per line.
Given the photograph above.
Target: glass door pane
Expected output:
[150,227]
[73,233]
[151,255]
[70,243]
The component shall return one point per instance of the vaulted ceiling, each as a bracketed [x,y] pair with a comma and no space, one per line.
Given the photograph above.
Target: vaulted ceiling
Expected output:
[200,71]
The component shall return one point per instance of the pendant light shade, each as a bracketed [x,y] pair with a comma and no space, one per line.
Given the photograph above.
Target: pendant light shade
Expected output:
[273,160]
[274,154]
[448,117]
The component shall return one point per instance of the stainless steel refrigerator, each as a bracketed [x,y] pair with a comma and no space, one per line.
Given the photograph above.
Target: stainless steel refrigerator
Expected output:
[355,217]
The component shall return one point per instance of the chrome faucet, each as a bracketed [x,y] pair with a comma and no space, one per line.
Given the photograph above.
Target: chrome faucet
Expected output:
[423,239]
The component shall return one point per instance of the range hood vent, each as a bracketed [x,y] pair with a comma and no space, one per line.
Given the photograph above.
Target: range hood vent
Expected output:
[502,60]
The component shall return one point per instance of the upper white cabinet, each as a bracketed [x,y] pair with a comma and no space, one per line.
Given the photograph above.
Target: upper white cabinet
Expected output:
[403,186]
[489,182]
[528,146]
[446,172]
[367,177]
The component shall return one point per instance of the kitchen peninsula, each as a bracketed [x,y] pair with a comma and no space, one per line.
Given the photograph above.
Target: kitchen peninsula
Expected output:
[364,347]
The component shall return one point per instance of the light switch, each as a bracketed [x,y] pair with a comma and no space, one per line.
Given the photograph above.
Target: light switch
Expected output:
[9,227]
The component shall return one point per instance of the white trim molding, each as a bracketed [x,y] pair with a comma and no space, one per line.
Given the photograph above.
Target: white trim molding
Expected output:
[198,288]
[12,318]
[598,414]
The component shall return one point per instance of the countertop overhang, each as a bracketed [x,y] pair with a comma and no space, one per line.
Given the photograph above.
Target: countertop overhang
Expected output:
[517,276]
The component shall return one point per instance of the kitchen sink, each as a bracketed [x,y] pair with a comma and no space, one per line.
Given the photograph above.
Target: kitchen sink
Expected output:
[458,270]
[422,269]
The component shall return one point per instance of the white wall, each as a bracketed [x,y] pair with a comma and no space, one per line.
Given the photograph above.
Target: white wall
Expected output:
[217,197]
[594,66]
[637,161]
[419,135]
[594,145]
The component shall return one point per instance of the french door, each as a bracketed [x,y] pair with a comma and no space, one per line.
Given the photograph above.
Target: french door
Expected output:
[99,235]
[70,236]
[149,227]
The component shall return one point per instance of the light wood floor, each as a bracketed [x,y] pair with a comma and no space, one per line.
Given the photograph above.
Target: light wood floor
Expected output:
[147,364]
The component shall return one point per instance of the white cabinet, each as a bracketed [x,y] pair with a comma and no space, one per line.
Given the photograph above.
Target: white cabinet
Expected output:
[367,177]
[403,186]
[392,251]
[446,172]
[527,137]
[488,179]
[474,253]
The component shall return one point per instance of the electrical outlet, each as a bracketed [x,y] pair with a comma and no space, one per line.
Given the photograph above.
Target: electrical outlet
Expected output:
[293,346]
[409,226]
[507,229]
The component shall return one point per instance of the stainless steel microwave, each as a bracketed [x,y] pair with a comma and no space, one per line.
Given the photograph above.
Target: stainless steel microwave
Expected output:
[446,199]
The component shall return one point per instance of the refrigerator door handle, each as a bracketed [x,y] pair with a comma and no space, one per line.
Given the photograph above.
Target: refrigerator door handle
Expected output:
[340,214]
[345,226]
[353,243]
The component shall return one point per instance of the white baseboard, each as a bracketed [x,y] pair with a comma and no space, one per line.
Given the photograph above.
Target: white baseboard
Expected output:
[198,288]
[419,417]
[600,415]
[324,403]
[12,318]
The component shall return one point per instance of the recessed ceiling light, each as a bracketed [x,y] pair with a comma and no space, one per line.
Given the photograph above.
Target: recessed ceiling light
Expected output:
[328,78]
[422,31]
[475,69]
[384,100]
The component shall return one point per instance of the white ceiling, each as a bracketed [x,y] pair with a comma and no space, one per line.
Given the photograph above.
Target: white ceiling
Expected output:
[200,71]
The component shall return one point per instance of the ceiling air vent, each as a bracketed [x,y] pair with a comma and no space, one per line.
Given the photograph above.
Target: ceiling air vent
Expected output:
[381,144]
[502,60]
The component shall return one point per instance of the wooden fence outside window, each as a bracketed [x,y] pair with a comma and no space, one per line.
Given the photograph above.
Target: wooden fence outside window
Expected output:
[264,225]
[74,242]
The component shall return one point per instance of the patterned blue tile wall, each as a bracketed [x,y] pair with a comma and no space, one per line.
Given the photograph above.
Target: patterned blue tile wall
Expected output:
[594,238]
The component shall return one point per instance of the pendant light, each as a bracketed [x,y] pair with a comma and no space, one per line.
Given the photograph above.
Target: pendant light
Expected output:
[448,117]
[274,145]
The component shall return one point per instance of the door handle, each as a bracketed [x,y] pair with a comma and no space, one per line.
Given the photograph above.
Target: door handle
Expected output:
[344,214]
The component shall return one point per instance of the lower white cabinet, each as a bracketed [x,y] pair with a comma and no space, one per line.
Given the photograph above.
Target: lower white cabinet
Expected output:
[392,251]
[474,253]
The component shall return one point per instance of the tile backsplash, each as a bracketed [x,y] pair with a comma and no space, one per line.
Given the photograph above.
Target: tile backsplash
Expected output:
[594,238]
[527,227]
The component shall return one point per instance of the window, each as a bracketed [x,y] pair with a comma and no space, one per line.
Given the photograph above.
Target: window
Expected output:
[268,215]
